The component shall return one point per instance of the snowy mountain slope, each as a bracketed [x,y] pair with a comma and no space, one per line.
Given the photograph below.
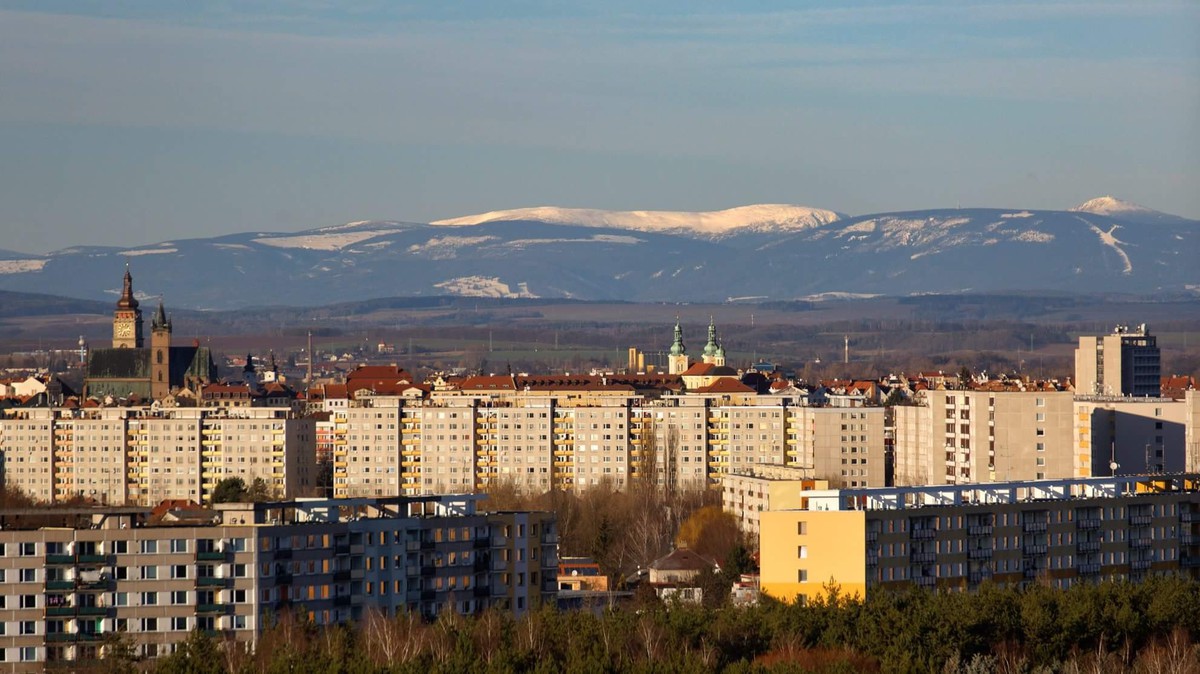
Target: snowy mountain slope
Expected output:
[760,217]
[688,258]
[1128,211]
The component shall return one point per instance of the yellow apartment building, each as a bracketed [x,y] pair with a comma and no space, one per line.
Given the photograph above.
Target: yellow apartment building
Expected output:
[955,537]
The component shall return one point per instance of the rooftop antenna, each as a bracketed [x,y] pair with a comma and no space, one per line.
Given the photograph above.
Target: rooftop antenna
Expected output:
[846,350]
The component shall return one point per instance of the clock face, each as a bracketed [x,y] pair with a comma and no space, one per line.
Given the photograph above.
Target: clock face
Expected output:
[123,330]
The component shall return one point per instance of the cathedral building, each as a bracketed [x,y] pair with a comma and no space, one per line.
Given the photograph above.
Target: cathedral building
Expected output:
[131,368]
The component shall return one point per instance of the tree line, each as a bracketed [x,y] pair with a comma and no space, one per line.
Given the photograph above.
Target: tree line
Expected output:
[1106,627]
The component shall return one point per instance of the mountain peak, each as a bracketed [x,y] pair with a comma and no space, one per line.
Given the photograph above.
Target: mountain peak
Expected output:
[772,217]
[1108,205]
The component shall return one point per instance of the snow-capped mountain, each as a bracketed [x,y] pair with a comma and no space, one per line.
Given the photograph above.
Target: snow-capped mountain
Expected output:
[758,218]
[1126,210]
[762,252]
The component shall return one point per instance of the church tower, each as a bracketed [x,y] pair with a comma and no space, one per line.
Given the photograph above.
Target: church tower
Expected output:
[127,319]
[714,353]
[677,361]
[160,354]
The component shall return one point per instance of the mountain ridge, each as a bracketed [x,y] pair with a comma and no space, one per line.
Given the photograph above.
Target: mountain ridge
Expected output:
[737,255]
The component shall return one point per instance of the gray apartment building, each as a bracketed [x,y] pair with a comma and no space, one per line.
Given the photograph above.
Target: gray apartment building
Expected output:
[69,577]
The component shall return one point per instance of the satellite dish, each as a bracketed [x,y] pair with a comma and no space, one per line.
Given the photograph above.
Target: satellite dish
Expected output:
[1113,466]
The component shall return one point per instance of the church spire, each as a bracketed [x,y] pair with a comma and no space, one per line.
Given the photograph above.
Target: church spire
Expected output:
[160,320]
[710,349]
[127,301]
[677,347]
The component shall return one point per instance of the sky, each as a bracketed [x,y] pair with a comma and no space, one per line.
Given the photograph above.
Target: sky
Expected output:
[126,123]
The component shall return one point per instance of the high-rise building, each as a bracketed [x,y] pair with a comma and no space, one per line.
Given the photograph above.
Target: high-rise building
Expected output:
[1125,363]
[74,577]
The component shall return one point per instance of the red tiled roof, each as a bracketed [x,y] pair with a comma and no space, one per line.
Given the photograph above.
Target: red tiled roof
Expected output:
[725,386]
[378,372]
[488,383]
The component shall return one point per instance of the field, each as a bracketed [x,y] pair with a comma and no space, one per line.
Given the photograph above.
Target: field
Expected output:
[1015,334]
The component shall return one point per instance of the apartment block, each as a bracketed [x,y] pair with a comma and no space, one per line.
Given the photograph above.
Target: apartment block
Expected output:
[762,488]
[1124,363]
[959,437]
[144,455]
[67,584]
[844,445]
[1060,532]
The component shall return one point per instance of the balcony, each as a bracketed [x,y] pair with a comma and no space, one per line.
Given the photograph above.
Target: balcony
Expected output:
[923,557]
[1139,564]
[482,591]
[60,560]
[59,611]
[923,534]
[1139,520]
[341,576]
[60,585]
[1087,546]
[60,637]
[1034,550]
[1035,527]
[1139,542]
[210,608]
[1089,523]
[1088,569]
[211,556]
[92,611]
[979,553]
[980,530]
[211,581]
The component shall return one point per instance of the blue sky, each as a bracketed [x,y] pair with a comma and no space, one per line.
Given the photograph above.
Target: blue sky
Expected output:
[134,122]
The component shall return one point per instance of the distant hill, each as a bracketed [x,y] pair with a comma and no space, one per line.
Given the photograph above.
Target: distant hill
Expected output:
[753,253]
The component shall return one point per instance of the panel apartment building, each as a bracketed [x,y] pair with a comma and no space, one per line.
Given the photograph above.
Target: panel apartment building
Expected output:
[566,436]
[960,437]
[105,570]
[959,536]
[144,455]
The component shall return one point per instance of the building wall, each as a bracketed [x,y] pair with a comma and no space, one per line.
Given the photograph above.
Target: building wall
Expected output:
[802,552]
[843,445]
[1141,435]
[1191,403]
[1063,534]
[962,437]
[66,588]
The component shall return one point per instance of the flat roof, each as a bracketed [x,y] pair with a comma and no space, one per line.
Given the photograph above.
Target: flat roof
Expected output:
[903,498]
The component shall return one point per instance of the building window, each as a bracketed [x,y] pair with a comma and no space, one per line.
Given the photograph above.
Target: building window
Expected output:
[802,575]
[802,552]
